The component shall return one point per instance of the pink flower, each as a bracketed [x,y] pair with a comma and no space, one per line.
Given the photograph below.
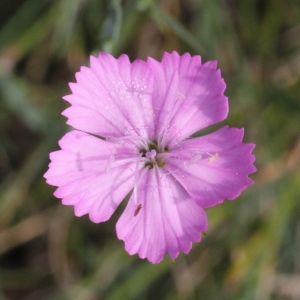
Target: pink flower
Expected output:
[133,122]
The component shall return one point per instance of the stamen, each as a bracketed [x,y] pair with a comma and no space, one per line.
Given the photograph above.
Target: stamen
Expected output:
[213,158]
[163,139]
[192,160]
[109,163]
[136,178]
[197,154]
[115,161]
[136,140]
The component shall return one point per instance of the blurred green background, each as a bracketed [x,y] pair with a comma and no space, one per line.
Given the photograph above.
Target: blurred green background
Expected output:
[252,248]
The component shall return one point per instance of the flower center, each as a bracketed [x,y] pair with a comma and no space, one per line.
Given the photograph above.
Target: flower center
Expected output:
[154,154]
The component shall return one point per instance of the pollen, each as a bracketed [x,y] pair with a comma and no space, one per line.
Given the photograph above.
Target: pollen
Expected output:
[213,158]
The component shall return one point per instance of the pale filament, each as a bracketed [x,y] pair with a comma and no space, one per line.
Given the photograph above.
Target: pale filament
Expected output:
[193,160]
[138,141]
[197,155]
[138,175]
[115,162]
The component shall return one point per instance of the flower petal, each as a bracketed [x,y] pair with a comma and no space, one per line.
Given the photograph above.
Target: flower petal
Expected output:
[214,167]
[165,219]
[86,178]
[112,98]
[188,95]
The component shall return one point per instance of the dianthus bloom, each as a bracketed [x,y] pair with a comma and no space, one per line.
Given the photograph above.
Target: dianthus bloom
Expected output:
[133,125]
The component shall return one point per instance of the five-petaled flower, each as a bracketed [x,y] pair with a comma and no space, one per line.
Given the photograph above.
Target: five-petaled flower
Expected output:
[133,125]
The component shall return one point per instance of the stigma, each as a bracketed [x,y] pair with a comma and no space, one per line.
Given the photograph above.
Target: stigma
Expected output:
[151,154]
